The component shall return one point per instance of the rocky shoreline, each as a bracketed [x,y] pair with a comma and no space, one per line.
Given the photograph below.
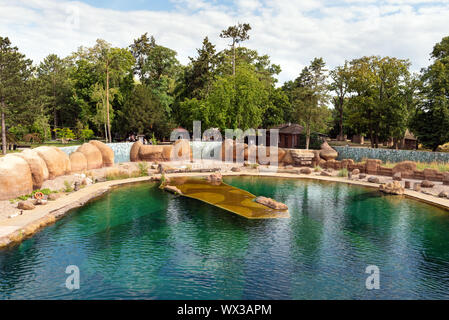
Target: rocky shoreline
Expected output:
[17,229]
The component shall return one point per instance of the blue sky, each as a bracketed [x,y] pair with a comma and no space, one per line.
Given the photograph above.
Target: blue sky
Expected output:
[291,32]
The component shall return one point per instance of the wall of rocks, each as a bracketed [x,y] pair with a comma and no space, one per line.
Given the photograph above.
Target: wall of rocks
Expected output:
[23,172]
[286,157]
[404,169]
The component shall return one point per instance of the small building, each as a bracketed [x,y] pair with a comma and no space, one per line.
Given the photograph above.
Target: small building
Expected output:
[288,135]
[410,142]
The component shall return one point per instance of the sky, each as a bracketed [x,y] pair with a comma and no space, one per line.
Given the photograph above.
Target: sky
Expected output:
[291,32]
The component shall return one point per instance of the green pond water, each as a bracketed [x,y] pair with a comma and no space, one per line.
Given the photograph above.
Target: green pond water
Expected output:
[138,242]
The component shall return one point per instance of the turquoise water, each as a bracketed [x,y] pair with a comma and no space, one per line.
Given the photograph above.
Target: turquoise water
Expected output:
[138,242]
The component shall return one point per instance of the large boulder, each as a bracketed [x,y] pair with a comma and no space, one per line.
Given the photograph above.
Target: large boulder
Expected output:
[273,204]
[66,159]
[106,152]
[155,153]
[288,159]
[327,152]
[38,167]
[93,156]
[78,161]
[181,150]
[15,177]
[394,187]
[405,168]
[56,160]
[134,153]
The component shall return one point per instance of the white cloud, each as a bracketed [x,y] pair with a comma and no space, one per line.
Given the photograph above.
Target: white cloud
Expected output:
[292,32]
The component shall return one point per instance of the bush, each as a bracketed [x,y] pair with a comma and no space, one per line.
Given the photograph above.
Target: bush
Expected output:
[343,173]
[143,169]
[86,134]
[315,141]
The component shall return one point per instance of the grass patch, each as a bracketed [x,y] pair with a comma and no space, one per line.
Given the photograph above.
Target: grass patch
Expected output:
[343,173]
[143,169]
[440,166]
[68,186]
[317,169]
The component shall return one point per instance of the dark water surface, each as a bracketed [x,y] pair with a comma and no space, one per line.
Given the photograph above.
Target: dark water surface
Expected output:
[138,242]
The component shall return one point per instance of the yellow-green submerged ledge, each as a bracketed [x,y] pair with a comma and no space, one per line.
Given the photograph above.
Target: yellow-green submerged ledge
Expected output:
[226,197]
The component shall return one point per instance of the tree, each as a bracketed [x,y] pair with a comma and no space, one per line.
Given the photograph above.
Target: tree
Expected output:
[101,117]
[15,71]
[340,86]
[309,98]
[431,119]
[234,102]
[379,103]
[157,68]
[114,63]
[55,90]
[145,114]
[237,33]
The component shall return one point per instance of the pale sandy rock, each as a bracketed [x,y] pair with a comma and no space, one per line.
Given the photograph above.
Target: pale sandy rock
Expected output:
[134,152]
[78,162]
[15,177]
[56,161]
[38,167]
[25,205]
[273,204]
[106,152]
[394,187]
[92,154]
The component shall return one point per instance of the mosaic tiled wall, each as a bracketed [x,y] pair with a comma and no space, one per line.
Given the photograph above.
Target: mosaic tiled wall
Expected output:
[357,154]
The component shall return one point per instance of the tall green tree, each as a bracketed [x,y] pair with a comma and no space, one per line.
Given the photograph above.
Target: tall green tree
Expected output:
[340,87]
[15,71]
[114,64]
[310,97]
[55,86]
[379,104]
[158,68]
[431,119]
[237,34]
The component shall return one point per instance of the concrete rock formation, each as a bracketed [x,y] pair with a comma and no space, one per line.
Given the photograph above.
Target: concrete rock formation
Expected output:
[373,180]
[327,152]
[405,168]
[57,162]
[134,153]
[181,151]
[155,153]
[93,156]
[78,162]
[394,187]
[38,167]
[427,184]
[15,177]
[273,204]
[173,189]
[106,152]
[25,205]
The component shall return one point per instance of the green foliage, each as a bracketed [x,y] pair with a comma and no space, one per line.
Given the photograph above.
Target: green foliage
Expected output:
[430,121]
[65,134]
[143,169]
[68,186]
[15,72]
[86,134]
[153,139]
[343,173]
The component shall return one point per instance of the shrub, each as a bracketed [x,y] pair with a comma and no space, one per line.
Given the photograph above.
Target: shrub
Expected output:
[343,173]
[318,169]
[143,169]
[68,186]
